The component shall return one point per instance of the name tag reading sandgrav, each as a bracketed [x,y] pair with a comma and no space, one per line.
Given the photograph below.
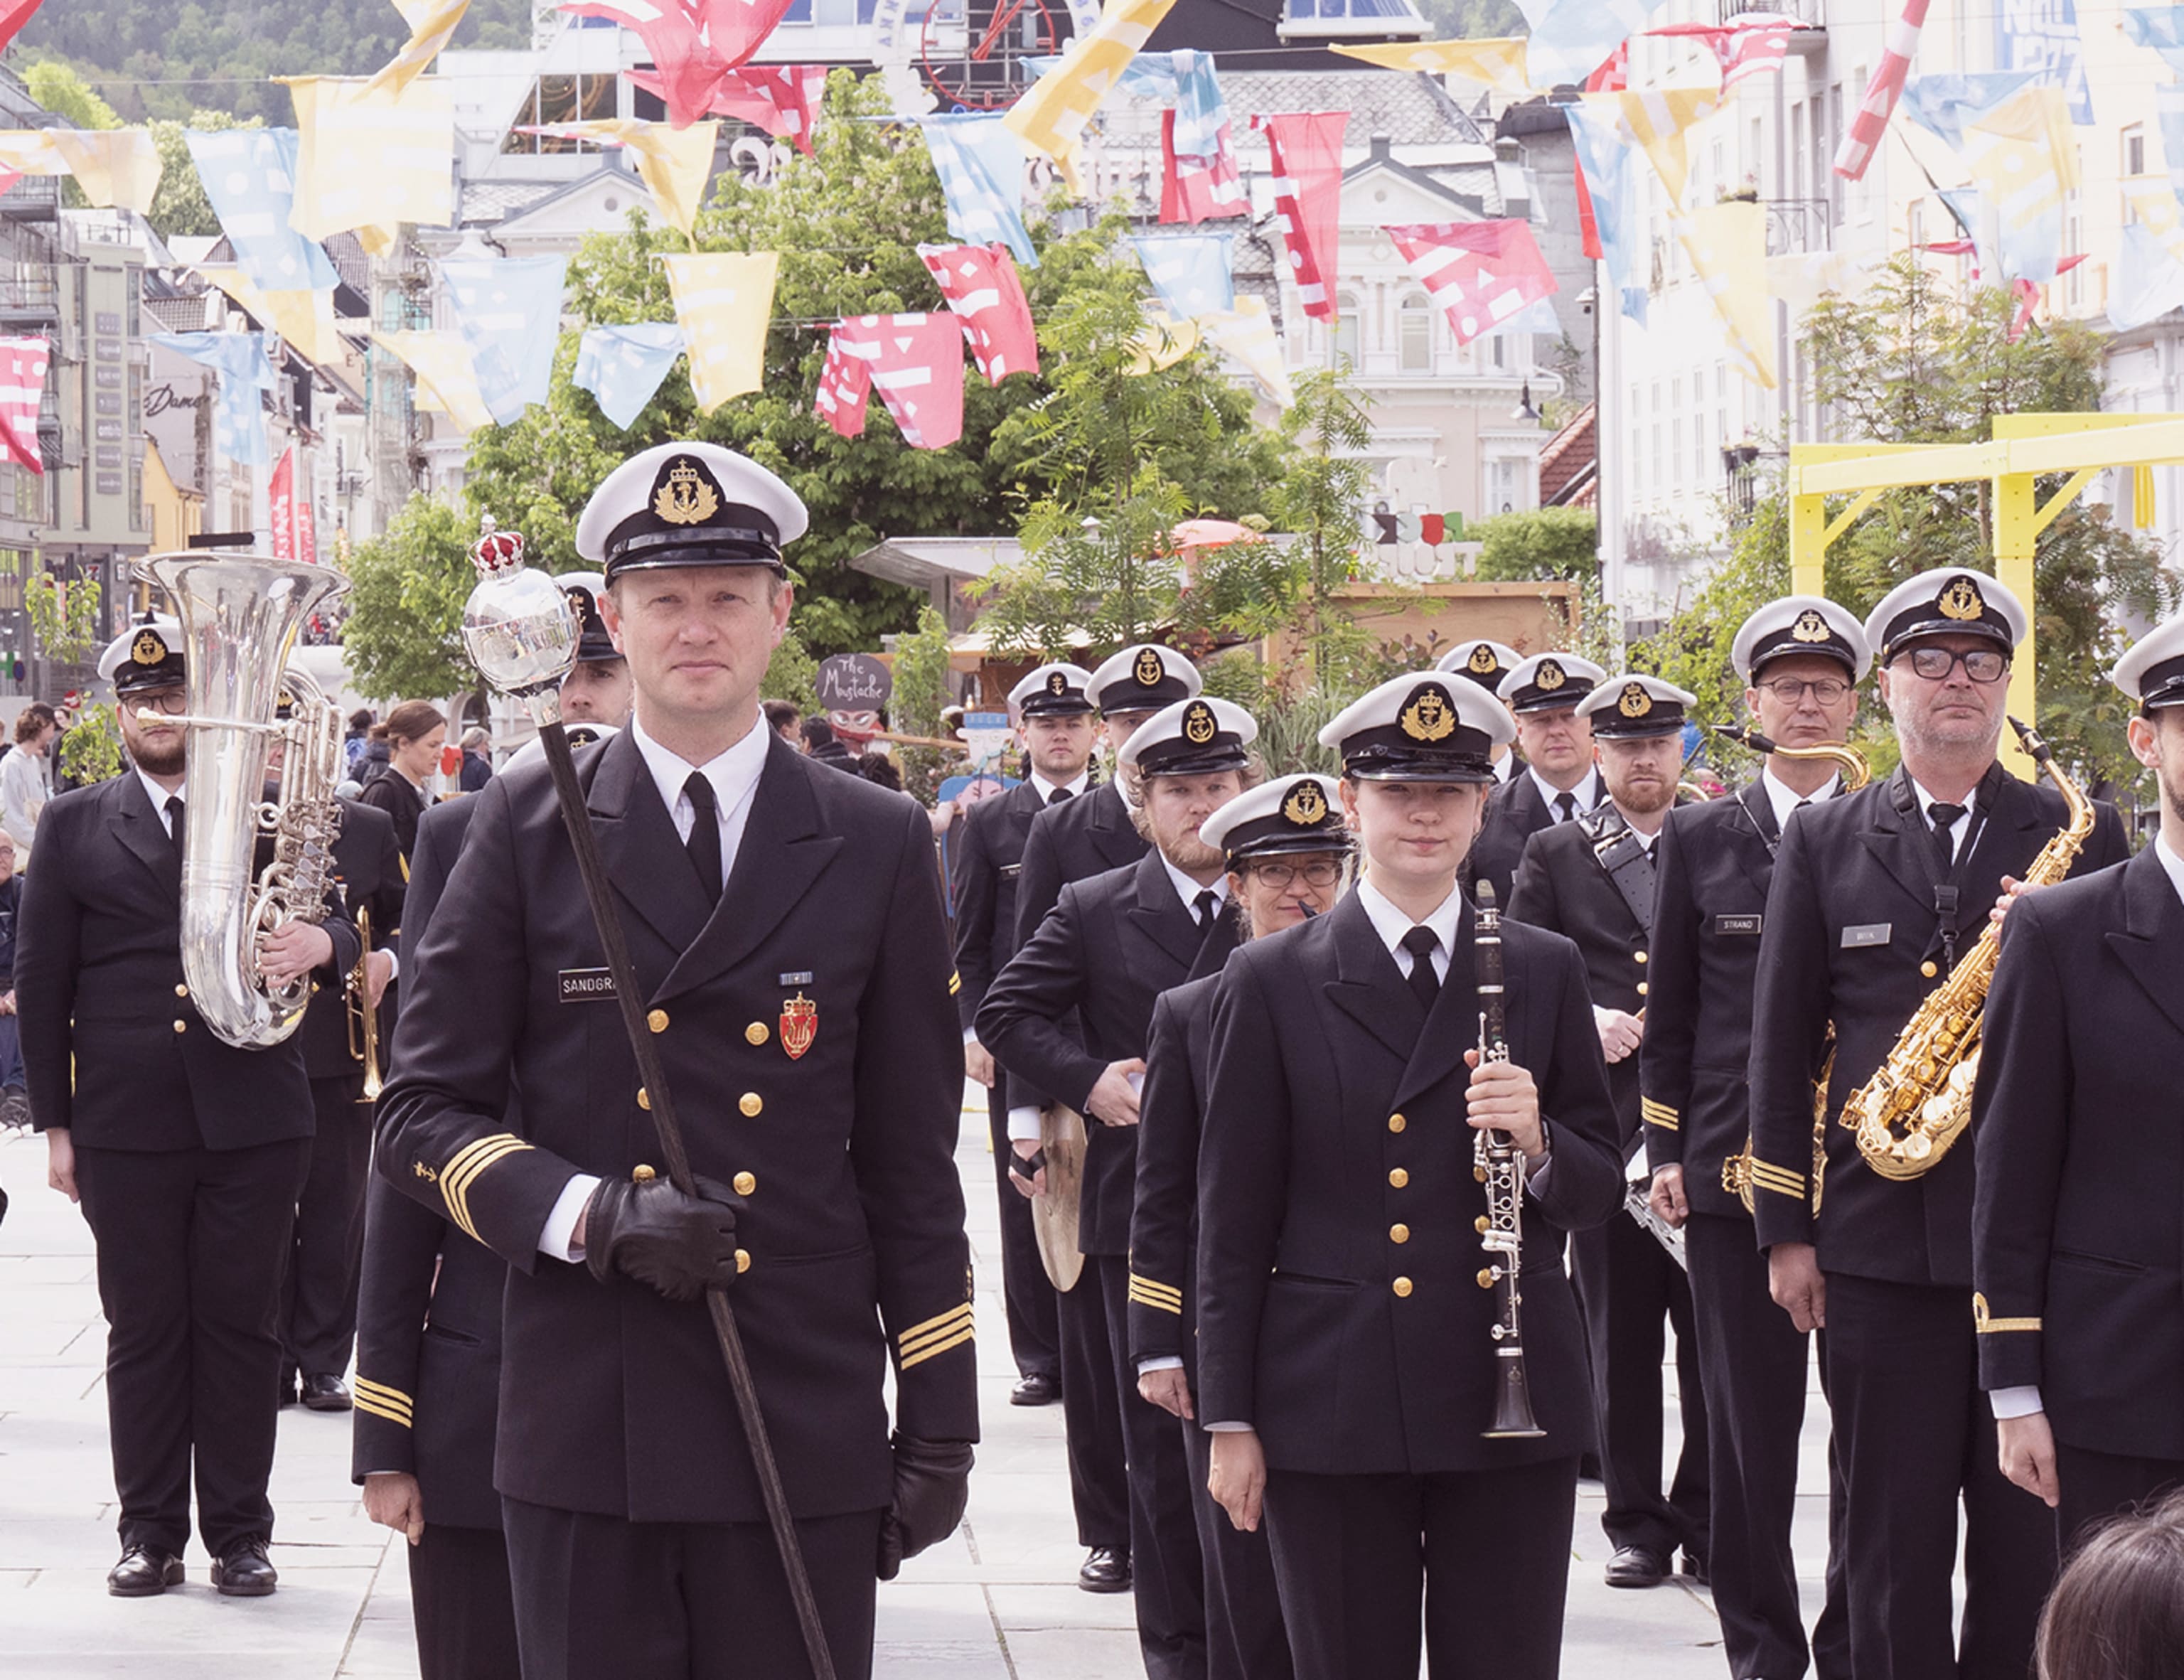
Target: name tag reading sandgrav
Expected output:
[1866,934]
[1738,924]
[586,985]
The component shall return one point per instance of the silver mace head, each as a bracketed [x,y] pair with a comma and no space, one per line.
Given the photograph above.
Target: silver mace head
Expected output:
[518,626]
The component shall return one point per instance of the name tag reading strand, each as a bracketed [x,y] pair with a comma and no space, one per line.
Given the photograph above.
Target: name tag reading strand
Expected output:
[586,985]
[1866,934]
[1737,925]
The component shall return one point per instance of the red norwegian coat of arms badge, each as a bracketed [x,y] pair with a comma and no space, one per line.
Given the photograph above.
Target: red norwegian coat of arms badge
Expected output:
[800,1025]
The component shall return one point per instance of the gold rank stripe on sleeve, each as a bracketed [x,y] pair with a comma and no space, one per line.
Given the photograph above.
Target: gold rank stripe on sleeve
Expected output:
[1987,1325]
[951,1329]
[1779,1180]
[381,1401]
[1148,1293]
[954,984]
[1659,1115]
[461,1172]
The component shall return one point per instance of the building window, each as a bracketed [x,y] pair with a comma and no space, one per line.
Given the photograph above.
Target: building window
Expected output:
[1414,335]
[1676,448]
[1345,327]
[2134,150]
[561,98]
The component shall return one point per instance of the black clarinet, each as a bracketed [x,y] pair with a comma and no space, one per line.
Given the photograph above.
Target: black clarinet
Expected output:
[1499,1165]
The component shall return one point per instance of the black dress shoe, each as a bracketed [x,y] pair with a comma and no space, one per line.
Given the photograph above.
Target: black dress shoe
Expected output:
[287,1387]
[245,1573]
[143,1572]
[1038,1389]
[325,1394]
[1105,1571]
[1637,1566]
[1695,1567]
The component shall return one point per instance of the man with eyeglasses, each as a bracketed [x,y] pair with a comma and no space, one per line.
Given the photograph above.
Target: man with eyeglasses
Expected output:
[1875,897]
[1558,782]
[1801,658]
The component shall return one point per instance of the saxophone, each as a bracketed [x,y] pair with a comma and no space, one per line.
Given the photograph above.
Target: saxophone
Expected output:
[1919,1100]
[240,617]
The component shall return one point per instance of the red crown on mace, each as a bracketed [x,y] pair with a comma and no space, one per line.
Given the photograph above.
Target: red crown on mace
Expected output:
[496,551]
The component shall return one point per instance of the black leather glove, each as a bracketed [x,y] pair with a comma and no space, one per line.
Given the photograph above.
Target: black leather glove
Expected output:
[932,1486]
[648,1229]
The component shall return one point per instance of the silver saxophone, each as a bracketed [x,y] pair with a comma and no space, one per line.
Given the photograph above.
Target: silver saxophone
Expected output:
[240,617]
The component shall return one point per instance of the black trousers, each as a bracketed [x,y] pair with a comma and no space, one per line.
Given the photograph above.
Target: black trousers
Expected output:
[463,1606]
[2094,1487]
[599,1598]
[1166,1573]
[1091,1415]
[1487,1551]
[1244,1638]
[190,1243]
[1630,1291]
[1754,1362]
[1913,1435]
[1034,1324]
[318,1291]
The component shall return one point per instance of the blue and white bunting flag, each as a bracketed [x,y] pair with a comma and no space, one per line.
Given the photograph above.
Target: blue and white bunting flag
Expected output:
[249,174]
[981,165]
[245,368]
[509,309]
[621,366]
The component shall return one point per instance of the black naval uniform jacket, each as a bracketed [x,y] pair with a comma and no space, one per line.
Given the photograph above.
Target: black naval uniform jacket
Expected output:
[427,1387]
[614,1399]
[1712,865]
[1515,812]
[1852,936]
[372,876]
[113,1047]
[1339,1310]
[988,861]
[1111,946]
[2078,1221]
[1164,1217]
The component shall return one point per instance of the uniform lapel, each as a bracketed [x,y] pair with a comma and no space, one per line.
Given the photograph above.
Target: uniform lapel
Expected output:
[1900,842]
[1757,837]
[1370,988]
[1158,912]
[2011,810]
[143,832]
[644,856]
[2152,943]
[1213,951]
[1114,836]
[1452,1027]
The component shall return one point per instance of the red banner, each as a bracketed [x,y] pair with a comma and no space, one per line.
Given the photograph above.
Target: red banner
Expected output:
[288,510]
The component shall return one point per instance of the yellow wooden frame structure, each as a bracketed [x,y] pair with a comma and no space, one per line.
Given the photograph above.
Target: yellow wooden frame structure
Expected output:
[2024,446]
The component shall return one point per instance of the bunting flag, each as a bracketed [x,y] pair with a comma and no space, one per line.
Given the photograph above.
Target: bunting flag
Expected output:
[304,319]
[431,22]
[914,361]
[1943,104]
[981,165]
[1570,38]
[1975,217]
[1498,61]
[723,303]
[113,166]
[1306,150]
[674,163]
[1751,45]
[2161,28]
[2169,117]
[2147,282]
[622,366]
[370,157]
[1052,113]
[2025,161]
[1727,244]
[509,311]
[981,286]
[1481,273]
[446,383]
[1658,121]
[694,43]
[249,175]
[1247,334]
[1190,271]
[1856,152]
[783,100]
[245,368]
[1164,341]
[1802,278]
[22,386]
[13,14]
[1199,177]
[1611,186]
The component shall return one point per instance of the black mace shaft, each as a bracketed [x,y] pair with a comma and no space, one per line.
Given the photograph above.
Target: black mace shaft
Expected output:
[654,1076]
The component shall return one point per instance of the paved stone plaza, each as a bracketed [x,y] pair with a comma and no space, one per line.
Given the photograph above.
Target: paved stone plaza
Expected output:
[997,1602]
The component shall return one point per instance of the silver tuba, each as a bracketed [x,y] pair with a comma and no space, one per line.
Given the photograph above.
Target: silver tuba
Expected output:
[240,617]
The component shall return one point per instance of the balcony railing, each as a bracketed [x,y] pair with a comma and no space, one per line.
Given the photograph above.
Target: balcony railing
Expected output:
[1797,226]
[1813,13]
[28,301]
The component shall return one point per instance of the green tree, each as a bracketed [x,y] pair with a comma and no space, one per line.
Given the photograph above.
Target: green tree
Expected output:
[1548,542]
[407,588]
[61,91]
[179,208]
[921,692]
[65,618]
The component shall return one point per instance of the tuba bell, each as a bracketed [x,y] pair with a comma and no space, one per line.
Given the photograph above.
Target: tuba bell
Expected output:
[240,617]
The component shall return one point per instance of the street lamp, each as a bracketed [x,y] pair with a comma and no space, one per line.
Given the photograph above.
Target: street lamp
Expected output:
[1524,412]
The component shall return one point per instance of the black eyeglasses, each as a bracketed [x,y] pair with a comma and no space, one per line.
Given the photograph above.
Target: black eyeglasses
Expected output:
[1981,665]
[1790,691]
[1321,872]
[172,702]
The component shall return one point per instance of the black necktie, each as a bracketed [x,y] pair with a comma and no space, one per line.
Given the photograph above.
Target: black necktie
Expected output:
[1425,984]
[174,819]
[1566,803]
[1058,795]
[1207,907]
[1944,818]
[705,842]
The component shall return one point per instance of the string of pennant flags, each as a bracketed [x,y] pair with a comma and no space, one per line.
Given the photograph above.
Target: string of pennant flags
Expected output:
[367,155]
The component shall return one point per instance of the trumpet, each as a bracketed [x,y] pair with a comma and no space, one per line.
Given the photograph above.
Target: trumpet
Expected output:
[1499,1165]
[363,1012]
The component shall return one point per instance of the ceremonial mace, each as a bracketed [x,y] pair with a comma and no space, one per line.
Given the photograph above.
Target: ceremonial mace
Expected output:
[522,634]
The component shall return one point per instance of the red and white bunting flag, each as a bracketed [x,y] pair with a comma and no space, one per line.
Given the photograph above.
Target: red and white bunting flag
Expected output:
[981,286]
[693,43]
[914,361]
[280,505]
[1881,93]
[13,14]
[1194,189]
[782,99]
[1748,47]
[1480,272]
[1307,158]
[22,382]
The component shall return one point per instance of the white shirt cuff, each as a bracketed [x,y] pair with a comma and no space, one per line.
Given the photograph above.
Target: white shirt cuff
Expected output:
[1023,1125]
[1164,1362]
[2020,1402]
[1230,1427]
[970,1035]
[393,963]
[1600,1016]
[556,1241]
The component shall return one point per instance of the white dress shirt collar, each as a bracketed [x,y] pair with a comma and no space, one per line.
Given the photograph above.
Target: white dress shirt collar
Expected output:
[1187,889]
[1785,799]
[2171,862]
[1047,789]
[1586,793]
[734,775]
[1391,923]
[160,796]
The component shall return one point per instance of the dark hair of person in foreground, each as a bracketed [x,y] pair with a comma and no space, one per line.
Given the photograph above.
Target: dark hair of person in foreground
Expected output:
[2118,1611]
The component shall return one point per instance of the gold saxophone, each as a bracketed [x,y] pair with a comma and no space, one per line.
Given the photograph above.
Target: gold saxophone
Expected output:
[362,1013]
[1736,1169]
[1919,1100]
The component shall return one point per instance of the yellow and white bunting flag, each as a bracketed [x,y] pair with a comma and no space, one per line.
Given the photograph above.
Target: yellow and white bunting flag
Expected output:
[723,303]
[115,166]
[1727,244]
[304,319]
[674,163]
[1054,111]
[1498,61]
[1247,333]
[431,22]
[369,158]
[1165,341]
[1657,120]
[447,382]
